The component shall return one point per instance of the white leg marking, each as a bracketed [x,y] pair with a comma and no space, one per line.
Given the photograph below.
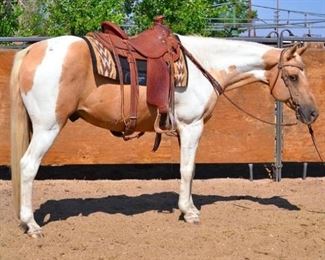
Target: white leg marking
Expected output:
[190,136]
[40,143]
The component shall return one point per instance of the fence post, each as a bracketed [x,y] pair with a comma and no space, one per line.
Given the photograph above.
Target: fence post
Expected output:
[278,122]
[251,172]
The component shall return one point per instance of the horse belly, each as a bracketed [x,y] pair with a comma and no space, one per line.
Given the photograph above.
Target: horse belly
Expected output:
[103,108]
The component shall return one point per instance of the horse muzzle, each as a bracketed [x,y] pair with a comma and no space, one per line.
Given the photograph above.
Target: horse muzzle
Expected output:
[306,114]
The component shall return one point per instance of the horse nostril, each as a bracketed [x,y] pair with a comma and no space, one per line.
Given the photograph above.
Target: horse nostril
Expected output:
[314,114]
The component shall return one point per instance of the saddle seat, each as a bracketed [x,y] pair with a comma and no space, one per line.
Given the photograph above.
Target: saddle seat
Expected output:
[160,49]
[152,43]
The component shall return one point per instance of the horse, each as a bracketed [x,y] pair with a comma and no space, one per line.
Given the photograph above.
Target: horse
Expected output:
[53,79]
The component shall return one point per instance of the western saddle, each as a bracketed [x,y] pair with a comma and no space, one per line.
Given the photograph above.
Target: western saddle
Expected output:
[160,49]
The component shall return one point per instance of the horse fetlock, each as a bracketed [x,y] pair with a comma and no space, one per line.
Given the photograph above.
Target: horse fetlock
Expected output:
[191,213]
[35,233]
[34,230]
[184,207]
[195,210]
[192,218]
[26,215]
[188,207]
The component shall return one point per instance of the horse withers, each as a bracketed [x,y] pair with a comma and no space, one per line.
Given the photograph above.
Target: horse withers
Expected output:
[53,79]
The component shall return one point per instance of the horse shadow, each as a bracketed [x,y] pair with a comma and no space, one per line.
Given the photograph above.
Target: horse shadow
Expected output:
[163,202]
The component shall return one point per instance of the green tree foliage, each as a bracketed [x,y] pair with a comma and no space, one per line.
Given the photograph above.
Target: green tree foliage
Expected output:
[184,17]
[230,13]
[9,13]
[191,17]
[76,17]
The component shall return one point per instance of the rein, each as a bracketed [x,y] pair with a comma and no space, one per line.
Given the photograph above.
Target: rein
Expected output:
[311,132]
[216,85]
[255,117]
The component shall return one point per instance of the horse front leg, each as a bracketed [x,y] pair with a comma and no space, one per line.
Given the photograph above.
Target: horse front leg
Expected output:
[189,135]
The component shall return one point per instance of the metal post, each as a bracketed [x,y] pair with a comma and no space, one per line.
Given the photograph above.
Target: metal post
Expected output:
[278,127]
[251,173]
[304,172]
[277,16]
[250,17]
[278,141]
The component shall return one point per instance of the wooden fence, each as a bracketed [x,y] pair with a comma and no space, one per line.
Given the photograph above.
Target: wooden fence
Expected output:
[229,137]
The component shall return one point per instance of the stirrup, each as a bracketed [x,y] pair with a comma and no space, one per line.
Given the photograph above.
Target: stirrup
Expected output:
[157,127]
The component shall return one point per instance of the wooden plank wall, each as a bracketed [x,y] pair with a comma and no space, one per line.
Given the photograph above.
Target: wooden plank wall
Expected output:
[229,137]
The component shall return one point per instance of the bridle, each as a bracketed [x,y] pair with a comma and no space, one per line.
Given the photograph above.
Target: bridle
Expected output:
[281,69]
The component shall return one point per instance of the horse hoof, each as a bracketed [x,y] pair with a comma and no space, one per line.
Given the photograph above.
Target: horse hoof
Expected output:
[34,231]
[35,234]
[192,218]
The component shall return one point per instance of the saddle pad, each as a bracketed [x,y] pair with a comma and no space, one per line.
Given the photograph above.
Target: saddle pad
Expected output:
[102,59]
[181,71]
[104,64]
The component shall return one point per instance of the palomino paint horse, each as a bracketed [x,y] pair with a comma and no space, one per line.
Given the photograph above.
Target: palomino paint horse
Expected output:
[54,78]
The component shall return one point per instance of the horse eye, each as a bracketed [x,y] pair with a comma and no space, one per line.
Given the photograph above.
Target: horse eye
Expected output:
[293,77]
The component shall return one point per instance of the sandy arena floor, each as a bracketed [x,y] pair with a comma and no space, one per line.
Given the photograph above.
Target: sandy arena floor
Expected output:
[133,219]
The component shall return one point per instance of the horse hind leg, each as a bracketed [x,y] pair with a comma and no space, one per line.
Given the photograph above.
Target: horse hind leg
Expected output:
[190,136]
[41,141]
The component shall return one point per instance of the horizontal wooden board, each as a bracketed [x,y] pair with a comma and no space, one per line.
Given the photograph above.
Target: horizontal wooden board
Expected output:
[229,137]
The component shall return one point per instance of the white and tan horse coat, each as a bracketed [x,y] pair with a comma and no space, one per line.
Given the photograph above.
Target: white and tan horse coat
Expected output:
[53,79]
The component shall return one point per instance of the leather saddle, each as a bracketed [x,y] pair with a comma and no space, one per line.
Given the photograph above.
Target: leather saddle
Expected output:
[160,49]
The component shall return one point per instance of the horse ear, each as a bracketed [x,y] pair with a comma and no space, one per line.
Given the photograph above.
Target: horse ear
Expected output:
[302,49]
[291,51]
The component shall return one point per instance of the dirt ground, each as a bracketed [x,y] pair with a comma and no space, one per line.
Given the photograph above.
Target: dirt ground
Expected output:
[132,219]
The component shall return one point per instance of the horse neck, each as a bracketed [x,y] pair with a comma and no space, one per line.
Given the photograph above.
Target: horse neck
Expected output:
[232,63]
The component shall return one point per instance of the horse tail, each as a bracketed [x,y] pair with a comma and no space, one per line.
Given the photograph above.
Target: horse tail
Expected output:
[19,129]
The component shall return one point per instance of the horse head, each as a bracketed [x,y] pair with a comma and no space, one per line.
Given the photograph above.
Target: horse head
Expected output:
[288,83]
